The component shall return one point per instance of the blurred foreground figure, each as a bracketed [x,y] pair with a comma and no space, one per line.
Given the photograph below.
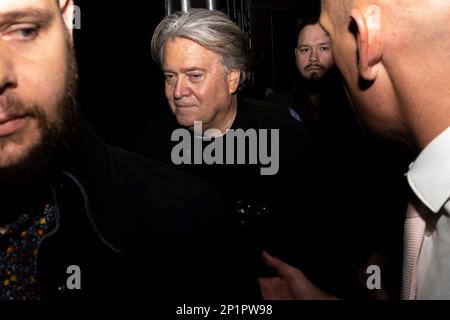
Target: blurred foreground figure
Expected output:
[79,218]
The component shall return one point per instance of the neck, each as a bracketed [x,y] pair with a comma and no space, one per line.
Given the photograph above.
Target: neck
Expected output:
[426,133]
[420,94]
[316,99]
[20,201]
[426,118]
[314,87]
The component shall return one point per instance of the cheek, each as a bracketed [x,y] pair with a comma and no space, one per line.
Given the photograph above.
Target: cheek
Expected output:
[43,81]
[168,90]
[302,61]
[211,97]
[203,93]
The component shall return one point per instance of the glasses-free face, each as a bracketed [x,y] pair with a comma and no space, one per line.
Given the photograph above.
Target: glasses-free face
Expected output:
[36,71]
[313,53]
[197,85]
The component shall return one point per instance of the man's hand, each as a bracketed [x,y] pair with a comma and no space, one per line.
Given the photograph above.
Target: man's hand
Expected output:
[291,283]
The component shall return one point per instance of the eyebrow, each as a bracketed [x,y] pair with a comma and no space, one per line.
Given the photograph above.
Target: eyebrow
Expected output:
[320,44]
[184,70]
[34,13]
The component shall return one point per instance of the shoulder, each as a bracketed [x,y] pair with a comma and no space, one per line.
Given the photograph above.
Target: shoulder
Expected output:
[287,97]
[159,184]
[267,115]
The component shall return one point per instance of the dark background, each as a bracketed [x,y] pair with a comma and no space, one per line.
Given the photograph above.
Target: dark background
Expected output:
[120,86]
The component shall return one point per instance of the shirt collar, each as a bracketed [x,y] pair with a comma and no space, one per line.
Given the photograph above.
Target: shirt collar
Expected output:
[429,175]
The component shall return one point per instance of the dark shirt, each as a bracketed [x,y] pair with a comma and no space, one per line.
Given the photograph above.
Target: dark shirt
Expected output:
[137,229]
[259,208]
[359,182]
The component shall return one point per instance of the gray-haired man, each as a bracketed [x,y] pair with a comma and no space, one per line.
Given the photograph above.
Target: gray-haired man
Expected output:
[203,55]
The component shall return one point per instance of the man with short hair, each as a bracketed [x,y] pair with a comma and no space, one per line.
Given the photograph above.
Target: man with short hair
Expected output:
[314,61]
[401,92]
[318,100]
[313,52]
[79,218]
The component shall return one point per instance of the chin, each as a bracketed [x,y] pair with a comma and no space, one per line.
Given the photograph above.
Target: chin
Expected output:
[185,122]
[15,148]
[14,154]
[315,76]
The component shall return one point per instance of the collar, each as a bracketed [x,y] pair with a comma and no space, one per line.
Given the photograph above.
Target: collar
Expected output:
[429,175]
[89,166]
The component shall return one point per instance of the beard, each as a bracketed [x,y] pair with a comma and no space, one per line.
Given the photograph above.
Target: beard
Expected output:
[314,76]
[25,183]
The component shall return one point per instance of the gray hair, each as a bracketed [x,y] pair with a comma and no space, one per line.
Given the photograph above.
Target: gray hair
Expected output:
[212,29]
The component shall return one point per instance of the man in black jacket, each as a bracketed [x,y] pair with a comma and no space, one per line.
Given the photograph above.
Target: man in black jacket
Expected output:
[78,218]
[225,140]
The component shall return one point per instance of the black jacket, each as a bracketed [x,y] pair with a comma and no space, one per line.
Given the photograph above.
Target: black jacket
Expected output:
[359,185]
[136,228]
[283,195]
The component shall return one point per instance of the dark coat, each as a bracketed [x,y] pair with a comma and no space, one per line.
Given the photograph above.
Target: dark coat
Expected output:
[360,188]
[283,195]
[136,228]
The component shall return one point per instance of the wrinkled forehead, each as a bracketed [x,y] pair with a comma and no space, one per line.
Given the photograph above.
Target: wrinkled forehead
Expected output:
[313,34]
[16,5]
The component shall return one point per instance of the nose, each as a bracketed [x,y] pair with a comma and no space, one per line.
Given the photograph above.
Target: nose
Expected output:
[314,57]
[181,88]
[8,77]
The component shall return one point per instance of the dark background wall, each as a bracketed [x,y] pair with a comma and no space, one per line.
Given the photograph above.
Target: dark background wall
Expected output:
[120,86]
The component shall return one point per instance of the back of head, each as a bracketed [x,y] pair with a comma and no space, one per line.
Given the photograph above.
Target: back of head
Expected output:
[212,29]
[413,32]
[394,55]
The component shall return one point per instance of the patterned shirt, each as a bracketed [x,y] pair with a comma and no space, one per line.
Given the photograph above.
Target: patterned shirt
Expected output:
[18,255]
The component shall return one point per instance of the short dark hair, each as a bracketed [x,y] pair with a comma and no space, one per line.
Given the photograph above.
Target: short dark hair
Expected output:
[303,23]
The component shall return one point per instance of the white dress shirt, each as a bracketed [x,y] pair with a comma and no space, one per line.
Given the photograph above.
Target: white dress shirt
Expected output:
[429,178]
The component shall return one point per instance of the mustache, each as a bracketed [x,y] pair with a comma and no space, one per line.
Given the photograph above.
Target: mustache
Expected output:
[314,65]
[13,107]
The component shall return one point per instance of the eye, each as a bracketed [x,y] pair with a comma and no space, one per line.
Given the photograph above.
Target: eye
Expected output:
[305,50]
[28,33]
[22,33]
[195,77]
[325,48]
[169,78]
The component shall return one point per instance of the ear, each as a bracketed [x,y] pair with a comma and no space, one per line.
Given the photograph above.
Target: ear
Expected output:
[233,77]
[369,43]
[68,13]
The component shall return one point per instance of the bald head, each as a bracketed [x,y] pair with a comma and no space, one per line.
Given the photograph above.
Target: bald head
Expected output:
[395,58]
